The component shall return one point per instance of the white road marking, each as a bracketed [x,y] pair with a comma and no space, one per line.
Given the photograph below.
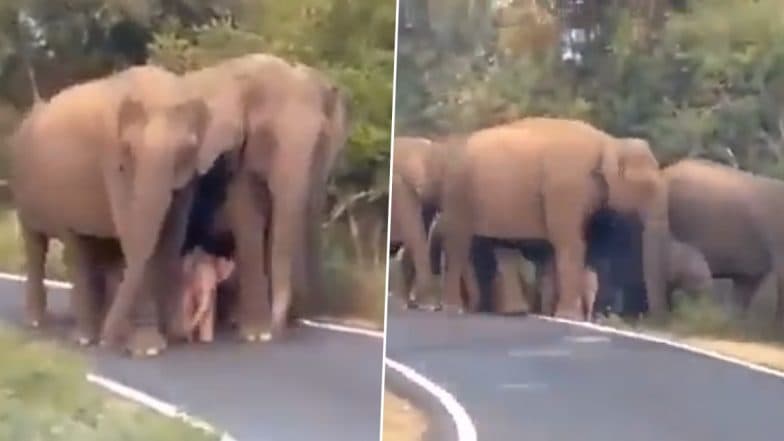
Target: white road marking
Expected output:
[670,343]
[342,328]
[466,431]
[525,353]
[153,403]
[523,386]
[163,407]
[588,339]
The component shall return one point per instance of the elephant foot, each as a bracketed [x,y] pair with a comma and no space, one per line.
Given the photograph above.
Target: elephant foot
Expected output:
[454,309]
[83,338]
[569,314]
[411,304]
[434,308]
[36,319]
[254,333]
[145,342]
[280,322]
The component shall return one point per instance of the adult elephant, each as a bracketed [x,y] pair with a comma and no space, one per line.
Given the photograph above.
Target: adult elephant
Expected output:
[733,218]
[281,127]
[111,158]
[417,173]
[542,178]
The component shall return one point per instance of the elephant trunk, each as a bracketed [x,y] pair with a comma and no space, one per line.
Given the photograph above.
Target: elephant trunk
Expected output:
[288,245]
[149,207]
[656,242]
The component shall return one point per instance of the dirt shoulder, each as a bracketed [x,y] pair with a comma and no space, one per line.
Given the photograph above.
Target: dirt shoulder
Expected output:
[704,324]
[402,421]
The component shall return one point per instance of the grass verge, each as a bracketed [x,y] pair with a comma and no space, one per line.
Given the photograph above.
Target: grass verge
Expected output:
[704,323]
[44,396]
[402,421]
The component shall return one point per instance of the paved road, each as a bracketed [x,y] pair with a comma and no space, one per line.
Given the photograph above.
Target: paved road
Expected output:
[526,378]
[320,385]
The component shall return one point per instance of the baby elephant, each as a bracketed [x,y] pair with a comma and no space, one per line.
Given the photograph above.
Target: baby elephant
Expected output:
[202,273]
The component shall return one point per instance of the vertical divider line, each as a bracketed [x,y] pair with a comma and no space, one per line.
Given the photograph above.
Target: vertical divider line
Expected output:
[389,224]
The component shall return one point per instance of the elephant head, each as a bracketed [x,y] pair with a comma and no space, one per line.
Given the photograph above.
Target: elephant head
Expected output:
[148,172]
[156,157]
[636,186]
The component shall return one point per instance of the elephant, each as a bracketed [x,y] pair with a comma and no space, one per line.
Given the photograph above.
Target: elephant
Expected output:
[415,200]
[687,269]
[202,273]
[281,128]
[542,178]
[590,288]
[732,217]
[492,283]
[119,155]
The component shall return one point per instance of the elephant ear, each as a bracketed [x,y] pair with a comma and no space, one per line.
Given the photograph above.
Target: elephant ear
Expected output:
[225,130]
[192,118]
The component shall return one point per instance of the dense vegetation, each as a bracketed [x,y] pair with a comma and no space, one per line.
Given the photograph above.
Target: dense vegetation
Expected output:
[696,78]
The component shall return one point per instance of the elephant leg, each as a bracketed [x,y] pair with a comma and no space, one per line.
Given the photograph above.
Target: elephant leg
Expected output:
[458,252]
[84,297]
[779,315]
[408,278]
[510,298]
[407,215]
[35,246]
[249,217]
[471,291]
[743,290]
[157,306]
[546,287]
[569,265]
[302,149]
[485,266]
[285,238]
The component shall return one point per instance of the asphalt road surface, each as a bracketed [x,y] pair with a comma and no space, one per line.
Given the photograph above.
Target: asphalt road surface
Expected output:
[318,385]
[529,379]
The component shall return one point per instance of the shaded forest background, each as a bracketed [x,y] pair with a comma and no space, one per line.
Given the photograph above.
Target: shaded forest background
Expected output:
[696,78]
[69,41]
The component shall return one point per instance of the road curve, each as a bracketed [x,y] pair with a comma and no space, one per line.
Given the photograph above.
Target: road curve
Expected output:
[527,378]
[319,384]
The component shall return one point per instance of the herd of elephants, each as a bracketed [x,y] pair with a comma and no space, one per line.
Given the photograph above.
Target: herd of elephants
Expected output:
[163,185]
[605,225]
[160,184]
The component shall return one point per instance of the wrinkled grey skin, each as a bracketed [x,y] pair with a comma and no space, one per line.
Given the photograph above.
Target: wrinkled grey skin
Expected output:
[735,219]
[687,269]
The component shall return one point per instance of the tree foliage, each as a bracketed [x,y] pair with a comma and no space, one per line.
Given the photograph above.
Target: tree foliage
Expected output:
[696,78]
[68,41]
